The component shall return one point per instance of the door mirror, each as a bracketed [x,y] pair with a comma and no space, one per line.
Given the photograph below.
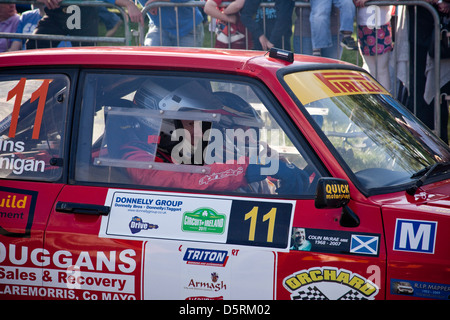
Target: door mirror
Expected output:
[332,193]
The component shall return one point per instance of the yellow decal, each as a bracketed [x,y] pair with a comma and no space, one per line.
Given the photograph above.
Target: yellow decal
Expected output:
[325,283]
[337,191]
[311,86]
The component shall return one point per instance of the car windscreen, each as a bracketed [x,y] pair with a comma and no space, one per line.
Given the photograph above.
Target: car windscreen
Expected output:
[380,141]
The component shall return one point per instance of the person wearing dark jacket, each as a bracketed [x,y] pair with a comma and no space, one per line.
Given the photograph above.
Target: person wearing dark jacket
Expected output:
[278,23]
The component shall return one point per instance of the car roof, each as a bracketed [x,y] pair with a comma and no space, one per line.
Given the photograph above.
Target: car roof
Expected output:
[156,57]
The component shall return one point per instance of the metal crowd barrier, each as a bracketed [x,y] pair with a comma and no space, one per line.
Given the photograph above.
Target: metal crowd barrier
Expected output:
[437,57]
[126,40]
[302,4]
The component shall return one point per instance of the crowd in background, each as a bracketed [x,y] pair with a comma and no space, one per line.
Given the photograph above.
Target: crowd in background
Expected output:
[321,28]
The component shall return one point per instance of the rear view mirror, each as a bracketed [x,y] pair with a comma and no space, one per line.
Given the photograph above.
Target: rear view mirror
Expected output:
[332,193]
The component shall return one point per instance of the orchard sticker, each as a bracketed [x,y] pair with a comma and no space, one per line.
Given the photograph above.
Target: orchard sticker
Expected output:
[328,283]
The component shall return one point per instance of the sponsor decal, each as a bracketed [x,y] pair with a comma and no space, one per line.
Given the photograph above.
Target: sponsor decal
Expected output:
[329,283]
[214,285]
[204,298]
[348,82]
[64,274]
[203,220]
[420,289]
[206,257]
[332,241]
[16,211]
[136,225]
[415,236]
[364,244]
[220,219]
[316,85]
[145,204]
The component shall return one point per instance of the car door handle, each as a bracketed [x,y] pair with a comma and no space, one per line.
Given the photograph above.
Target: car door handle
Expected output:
[83,208]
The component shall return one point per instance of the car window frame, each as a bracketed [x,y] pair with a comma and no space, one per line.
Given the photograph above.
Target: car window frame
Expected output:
[350,174]
[72,73]
[278,113]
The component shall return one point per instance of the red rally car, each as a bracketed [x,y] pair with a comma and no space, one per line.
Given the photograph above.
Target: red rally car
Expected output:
[157,173]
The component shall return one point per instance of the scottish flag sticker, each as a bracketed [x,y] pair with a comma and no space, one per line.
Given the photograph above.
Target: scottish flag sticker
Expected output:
[364,244]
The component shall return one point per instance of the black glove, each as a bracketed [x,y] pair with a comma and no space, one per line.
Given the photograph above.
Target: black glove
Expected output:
[292,179]
[253,173]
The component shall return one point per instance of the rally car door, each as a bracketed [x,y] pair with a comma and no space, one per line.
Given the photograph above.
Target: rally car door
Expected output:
[416,234]
[161,236]
[34,107]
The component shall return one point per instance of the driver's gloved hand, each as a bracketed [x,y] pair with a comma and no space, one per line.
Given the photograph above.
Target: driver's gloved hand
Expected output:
[292,179]
[253,173]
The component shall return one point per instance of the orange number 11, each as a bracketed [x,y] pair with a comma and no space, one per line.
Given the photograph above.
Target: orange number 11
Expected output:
[40,93]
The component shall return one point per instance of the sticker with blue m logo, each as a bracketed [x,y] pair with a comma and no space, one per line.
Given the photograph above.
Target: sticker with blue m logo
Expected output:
[415,235]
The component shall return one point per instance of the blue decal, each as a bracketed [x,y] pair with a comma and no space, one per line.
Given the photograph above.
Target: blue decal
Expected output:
[415,236]
[420,289]
[364,244]
[206,257]
[136,225]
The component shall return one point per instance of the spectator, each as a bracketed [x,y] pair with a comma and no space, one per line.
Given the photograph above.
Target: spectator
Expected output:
[320,24]
[230,31]
[55,21]
[111,21]
[413,76]
[9,19]
[278,23]
[444,78]
[302,33]
[188,32]
[375,40]
[28,22]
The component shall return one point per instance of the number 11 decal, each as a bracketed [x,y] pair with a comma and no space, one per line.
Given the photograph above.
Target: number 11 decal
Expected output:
[262,224]
[253,214]
[40,94]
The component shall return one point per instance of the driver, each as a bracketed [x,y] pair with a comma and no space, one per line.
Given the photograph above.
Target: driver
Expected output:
[225,173]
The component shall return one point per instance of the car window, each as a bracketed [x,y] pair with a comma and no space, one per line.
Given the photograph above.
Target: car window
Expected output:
[32,118]
[192,133]
[378,139]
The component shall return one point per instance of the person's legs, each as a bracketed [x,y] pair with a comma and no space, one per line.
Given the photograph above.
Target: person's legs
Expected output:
[193,39]
[378,67]
[320,23]
[156,37]
[334,51]
[347,11]
[303,45]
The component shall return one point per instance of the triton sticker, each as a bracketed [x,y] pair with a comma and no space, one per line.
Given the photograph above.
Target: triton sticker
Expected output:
[217,258]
